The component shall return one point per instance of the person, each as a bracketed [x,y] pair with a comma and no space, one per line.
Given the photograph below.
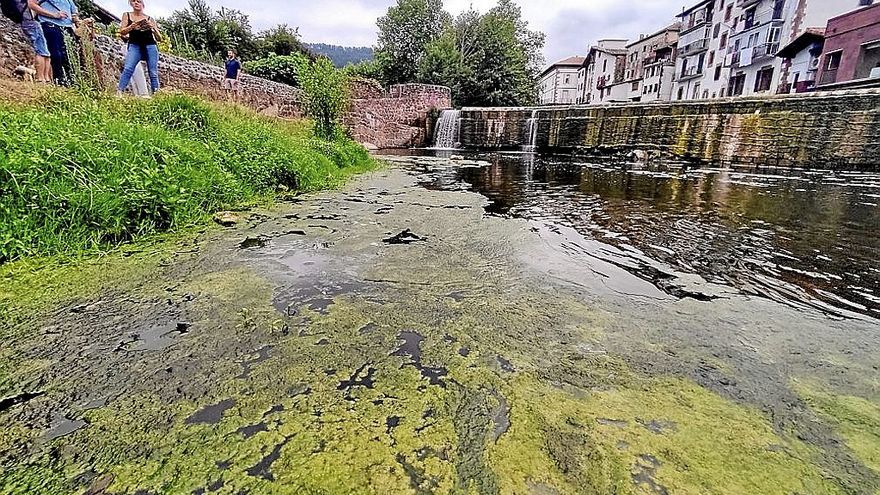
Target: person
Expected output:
[233,74]
[34,32]
[138,79]
[57,18]
[142,33]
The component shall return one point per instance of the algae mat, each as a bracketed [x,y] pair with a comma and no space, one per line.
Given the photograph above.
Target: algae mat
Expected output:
[389,339]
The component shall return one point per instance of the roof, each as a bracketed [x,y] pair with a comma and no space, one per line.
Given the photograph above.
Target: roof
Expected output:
[693,8]
[104,15]
[575,61]
[804,40]
[672,28]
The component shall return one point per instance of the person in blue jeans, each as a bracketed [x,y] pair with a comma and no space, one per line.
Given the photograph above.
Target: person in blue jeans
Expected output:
[57,18]
[142,33]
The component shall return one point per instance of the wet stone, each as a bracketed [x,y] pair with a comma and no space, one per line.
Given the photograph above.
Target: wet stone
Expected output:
[65,427]
[464,352]
[405,237]
[656,426]
[263,354]
[505,365]
[392,422]
[263,469]
[211,414]
[254,243]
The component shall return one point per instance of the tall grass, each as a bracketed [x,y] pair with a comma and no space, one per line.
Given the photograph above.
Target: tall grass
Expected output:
[80,174]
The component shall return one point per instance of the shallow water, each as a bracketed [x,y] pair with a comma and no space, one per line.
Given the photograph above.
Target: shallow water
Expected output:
[803,238]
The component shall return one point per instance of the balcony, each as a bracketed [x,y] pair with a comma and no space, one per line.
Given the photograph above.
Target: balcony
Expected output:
[698,20]
[691,73]
[693,48]
[767,50]
[744,4]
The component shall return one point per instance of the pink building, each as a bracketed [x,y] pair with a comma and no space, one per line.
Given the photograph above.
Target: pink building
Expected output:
[852,50]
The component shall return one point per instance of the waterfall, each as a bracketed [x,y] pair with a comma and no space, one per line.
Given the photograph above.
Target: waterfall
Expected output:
[446,135]
[531,137]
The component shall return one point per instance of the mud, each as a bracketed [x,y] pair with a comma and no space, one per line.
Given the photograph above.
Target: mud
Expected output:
[503,355]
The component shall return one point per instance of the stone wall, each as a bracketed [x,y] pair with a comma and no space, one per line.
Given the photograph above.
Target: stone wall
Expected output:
[818,130]
[400,118]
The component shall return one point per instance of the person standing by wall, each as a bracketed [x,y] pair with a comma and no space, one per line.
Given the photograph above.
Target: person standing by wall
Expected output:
[20,12]
[57,18]
[233,75]
[142,33]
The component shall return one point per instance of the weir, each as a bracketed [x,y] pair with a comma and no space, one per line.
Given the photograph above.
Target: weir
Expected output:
[820,130]
[447,135]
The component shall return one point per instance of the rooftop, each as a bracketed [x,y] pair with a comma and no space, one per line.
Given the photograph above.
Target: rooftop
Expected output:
[575,61]
[807,38]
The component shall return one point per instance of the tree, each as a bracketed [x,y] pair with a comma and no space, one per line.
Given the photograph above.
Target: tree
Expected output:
[490,59]
[404,33]
[281,40]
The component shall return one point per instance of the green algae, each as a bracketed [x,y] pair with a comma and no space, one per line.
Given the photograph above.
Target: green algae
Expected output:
[855,419]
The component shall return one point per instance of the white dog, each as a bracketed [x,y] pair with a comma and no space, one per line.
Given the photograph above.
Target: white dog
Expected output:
[25,73]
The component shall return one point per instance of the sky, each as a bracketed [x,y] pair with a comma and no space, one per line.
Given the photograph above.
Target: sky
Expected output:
[570,25]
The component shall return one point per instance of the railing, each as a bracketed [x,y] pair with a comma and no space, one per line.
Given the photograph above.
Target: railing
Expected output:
[765,50]
[829,77]
[695,47]
[691,72]
[601,82]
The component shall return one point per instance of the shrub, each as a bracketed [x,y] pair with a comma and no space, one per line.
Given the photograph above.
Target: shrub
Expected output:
[279,68]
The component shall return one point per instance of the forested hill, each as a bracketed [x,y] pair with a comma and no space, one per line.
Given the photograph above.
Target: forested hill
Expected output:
[342,55]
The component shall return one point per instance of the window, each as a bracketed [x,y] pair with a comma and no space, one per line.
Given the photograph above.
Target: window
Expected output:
[635,86]
[717,31]
[833,60]
[711,58]
[728,13]
[718,72]
[605,66]
[723,43]
[706,94]
[764,79]
[567,79]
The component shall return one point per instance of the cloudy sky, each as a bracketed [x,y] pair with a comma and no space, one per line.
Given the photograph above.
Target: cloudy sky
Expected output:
[570,25]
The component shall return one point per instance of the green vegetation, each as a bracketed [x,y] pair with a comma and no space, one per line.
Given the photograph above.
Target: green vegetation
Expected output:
[279,68]
[487,59]
[342,56]
[201,33]
[79,174]
[326,91]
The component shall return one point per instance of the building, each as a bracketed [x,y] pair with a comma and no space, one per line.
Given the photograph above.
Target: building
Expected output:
[650,66]
[802,57]
[852,50]
[559,82]
[693,48]
[600,72]
[717,73]
[761,30]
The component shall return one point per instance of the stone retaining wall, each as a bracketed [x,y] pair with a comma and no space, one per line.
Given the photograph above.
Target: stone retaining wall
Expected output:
[819,130]
[400,118]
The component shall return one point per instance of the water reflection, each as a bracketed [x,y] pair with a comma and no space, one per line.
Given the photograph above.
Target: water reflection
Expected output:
[803,238]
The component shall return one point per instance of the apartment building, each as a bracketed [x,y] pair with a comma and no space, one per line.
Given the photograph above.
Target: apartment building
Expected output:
[852,50]
[600,72]
[650,66]
[801,59]
[761,30]
[559,82]
[693,48]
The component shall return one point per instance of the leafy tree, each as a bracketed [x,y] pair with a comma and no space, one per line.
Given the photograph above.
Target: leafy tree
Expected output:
[281,40]
[490,59]
[342,56]
[279,68]
[404,33]
[326,92]
[369,69]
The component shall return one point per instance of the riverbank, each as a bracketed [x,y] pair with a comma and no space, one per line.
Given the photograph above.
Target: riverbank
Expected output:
[81,173]
[387,338]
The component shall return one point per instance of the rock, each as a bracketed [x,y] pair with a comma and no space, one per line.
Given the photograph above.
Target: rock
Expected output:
[100,485]
[370,146]
[227,218]
[405,237]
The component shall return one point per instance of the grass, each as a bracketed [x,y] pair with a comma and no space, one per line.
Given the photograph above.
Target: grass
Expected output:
[79,174]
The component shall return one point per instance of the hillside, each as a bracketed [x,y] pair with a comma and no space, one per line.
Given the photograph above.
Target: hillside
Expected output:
[342,55]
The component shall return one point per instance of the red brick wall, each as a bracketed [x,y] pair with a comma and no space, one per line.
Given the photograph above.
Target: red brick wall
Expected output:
[848,32]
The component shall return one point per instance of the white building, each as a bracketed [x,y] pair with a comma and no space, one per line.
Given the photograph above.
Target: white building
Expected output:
[693,48]
[601,71]
[800,61]
[761,30]
[559,82]
[716,76]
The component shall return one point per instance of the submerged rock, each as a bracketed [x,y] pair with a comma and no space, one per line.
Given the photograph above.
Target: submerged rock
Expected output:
[226,218]
[405,237]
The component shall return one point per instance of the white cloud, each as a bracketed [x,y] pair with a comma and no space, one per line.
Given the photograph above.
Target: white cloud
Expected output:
[570,25]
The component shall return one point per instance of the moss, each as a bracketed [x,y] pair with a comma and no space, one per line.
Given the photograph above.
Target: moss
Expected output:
[855,419]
